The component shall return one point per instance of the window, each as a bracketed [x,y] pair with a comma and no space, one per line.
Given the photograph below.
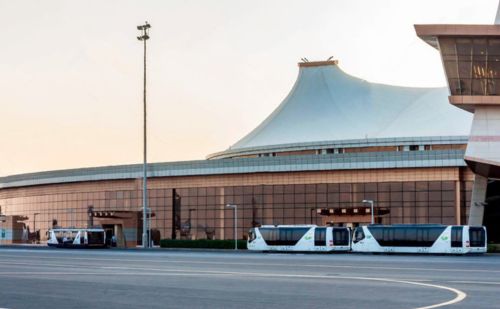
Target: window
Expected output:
[471,64]
[320,236]
[406,236]
[95,238]
[477,237]
[413,147]
[282,236]
[251,235]
[359,234]
[340,237]
[456,236]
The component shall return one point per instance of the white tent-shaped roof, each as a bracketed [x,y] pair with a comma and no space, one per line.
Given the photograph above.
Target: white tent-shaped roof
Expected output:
[326,104]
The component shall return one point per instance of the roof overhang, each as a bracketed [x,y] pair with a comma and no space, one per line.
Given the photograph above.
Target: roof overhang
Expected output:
[483,167]
[430,33]
[469,102]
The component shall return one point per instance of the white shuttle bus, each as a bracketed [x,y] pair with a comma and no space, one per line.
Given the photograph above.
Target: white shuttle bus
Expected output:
[77,238]
[299,238]
[419,238]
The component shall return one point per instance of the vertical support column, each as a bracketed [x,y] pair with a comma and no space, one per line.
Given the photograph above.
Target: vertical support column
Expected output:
[478,198]
[90,216]
[222,210]
[121,242]
[458,202]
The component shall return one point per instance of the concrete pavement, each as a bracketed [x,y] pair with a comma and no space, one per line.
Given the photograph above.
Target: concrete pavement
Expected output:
[61,278]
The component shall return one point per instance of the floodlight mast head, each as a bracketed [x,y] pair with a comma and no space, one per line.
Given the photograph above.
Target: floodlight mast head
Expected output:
[144,28]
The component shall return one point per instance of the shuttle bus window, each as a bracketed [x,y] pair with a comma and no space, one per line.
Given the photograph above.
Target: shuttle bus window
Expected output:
[358,234]
[477,237]
[456,236]
[340,237]
[95,238]
[406,236]
[282,236]
[411,237]
[320,236]
[251,235]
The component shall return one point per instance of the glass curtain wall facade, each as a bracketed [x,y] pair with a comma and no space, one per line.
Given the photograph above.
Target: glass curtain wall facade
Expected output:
[201,213]
[472,64]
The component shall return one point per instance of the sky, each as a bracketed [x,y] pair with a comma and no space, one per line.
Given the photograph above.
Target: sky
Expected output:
[71,71]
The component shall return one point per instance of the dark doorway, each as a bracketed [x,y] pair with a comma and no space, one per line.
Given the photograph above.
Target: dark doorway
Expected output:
[110,232]
[492,211]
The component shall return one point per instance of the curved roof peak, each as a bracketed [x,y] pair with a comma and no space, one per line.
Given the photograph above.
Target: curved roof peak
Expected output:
[306,63]
[325,103]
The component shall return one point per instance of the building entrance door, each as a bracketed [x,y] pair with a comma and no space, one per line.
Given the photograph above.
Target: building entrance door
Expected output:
[110,232]
[114,235]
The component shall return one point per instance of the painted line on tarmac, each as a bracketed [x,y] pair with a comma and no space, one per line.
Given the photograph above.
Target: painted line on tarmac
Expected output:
[271,264]
[37,265]
[66,273]
[476,282]
[74,265]
[166,269]
[460,295]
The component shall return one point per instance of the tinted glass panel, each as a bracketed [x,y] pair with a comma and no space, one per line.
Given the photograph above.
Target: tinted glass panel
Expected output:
[359,234]
[320,236]
[406,236]
[477,237]
[251,235]
[282,236]
[471,64]
[95,238]
[456,236]
[340,237]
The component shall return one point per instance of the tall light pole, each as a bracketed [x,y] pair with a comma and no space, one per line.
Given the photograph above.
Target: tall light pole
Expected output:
[235,207]
[3,218]
[371,205]
[145,226]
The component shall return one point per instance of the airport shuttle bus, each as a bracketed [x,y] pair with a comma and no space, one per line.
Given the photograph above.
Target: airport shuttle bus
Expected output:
[419,238]
[77,238]
[299,238]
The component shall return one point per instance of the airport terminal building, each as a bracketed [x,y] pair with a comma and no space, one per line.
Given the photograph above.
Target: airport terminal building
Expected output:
[333,142]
